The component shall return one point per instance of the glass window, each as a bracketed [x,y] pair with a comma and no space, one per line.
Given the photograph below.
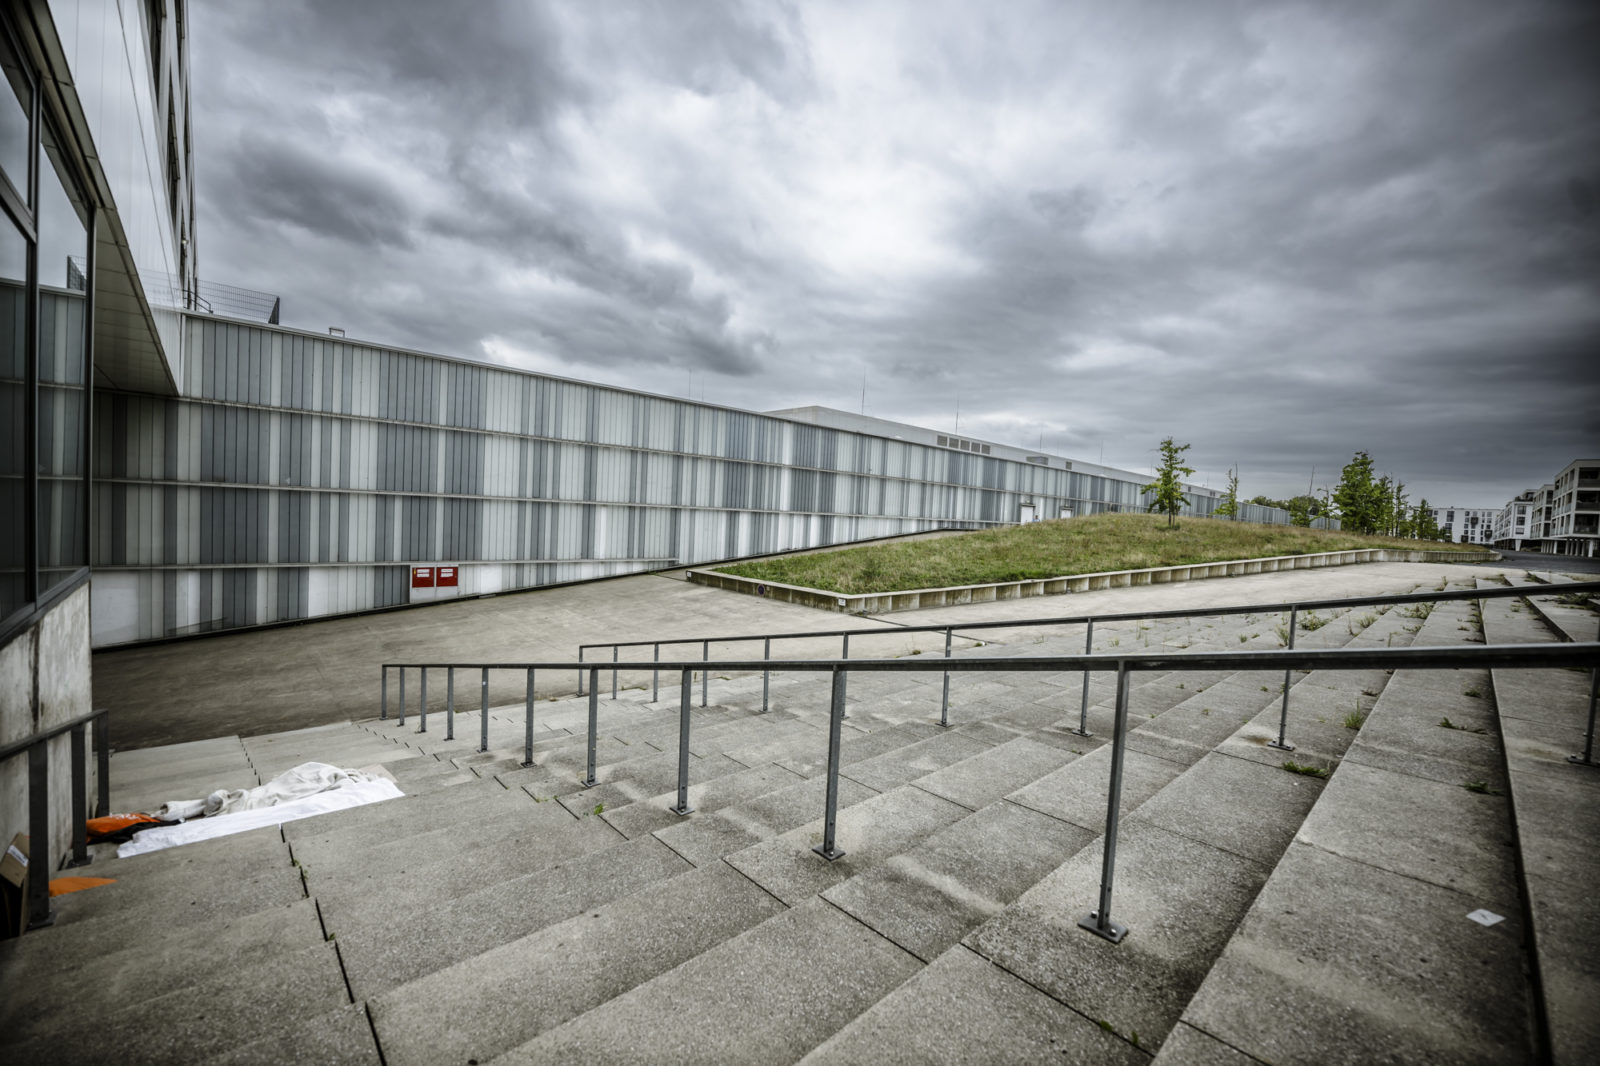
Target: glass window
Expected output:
[15,109]
[63,291]
[13,417]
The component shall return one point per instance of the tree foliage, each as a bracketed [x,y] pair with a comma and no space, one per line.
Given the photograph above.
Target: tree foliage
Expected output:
[1168,497]
[1229,507]
[1423,525]
[1361,499]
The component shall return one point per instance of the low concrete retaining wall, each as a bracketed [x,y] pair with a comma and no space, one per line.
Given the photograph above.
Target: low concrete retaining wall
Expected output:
[914,599]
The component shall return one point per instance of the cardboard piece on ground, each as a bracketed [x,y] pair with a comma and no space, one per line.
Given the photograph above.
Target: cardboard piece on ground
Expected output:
[13,886]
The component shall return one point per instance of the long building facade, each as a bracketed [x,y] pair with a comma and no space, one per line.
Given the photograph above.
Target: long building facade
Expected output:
[297,476]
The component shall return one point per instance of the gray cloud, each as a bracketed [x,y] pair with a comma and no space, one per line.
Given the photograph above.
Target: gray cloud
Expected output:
[1281,232]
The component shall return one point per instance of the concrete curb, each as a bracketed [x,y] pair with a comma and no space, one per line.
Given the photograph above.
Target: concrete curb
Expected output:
[916,599]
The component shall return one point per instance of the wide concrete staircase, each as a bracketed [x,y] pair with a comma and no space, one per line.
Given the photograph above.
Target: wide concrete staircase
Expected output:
[502,912]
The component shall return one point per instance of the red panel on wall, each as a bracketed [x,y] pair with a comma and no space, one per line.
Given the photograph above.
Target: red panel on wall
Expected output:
[422,577]
[447,577]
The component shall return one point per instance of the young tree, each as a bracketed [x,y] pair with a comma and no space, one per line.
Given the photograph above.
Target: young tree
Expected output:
[1169,497]
[1402,514]
[1423,525]
[1299,512]
[1229,507]
[1359,497]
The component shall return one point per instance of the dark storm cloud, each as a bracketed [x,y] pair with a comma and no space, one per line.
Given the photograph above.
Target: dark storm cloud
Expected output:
[1281,232]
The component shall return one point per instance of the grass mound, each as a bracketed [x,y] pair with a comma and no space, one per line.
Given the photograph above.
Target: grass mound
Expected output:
[1052,549]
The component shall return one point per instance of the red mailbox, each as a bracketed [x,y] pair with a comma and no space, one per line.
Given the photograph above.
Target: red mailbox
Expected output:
[447,577]
[422,577]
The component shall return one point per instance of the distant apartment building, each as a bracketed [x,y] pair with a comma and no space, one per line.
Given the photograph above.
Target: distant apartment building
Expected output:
[1561,517]
[1465,525]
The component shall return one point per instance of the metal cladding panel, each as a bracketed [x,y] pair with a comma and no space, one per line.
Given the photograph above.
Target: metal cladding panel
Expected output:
[289,450]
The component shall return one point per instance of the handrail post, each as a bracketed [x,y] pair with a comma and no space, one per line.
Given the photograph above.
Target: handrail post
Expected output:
[615,649]
[39,914]
[527,725]
[450,704]
[383,693]
[483,713]
[1098,921]
[1083,710]
[827,849]
[103,775]
[685,698]
[655,674]
[845,654]
[580,671]
[944,701]
[705,671]
[80,797]
[766,675]
[1587,758]
[422,704]
[594,720]
[1283,715]
[402,719]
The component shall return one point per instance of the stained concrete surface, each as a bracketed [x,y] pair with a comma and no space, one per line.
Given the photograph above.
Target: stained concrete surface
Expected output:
[291,677]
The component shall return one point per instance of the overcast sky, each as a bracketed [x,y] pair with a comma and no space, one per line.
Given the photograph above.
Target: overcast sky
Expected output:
[1280,232]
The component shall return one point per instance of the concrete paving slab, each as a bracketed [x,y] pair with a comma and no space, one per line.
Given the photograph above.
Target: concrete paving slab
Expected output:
[647,816]
[1076,793]
[1189,1046]
[565,969]
[138,758]
[757,997]
[963,1009]
[384,948]
[437,866]
[181,886]
[807,755]
[1188,731]
[123,776]
[48,975]
[343,1035]
[1180,901]
[166,1028]
[1418,747]
[643,778]
[868,832]
[374,818]
[930,896]
[1567,932]
[908,763]
[1343,963]
[217,857]
[705,838]
[988,775]
[1243,807]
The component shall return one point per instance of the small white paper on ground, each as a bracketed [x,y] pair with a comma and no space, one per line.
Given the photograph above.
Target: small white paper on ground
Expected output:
[1483,917]
[350,794]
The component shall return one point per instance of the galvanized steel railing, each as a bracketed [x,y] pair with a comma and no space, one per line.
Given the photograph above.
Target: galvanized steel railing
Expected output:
[1293,608]
[38,902]
[1097,921]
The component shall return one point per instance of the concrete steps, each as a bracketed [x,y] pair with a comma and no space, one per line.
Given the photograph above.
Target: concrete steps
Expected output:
[1360,939]
[947,932]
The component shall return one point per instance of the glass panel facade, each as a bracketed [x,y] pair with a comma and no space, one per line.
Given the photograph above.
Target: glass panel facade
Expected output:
[13,417]
[15,109]
[63,291]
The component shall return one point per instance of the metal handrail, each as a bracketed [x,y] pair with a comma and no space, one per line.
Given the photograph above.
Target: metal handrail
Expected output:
[1293,608]
[38,903]
[1098,920]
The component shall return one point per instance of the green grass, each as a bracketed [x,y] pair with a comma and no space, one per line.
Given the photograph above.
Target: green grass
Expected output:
[1308,771]
[1049,549]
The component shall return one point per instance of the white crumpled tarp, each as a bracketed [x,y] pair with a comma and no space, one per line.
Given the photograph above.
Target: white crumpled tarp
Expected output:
[308,789]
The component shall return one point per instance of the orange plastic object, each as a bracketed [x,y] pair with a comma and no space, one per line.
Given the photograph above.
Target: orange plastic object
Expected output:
[62,885]
[111,824]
